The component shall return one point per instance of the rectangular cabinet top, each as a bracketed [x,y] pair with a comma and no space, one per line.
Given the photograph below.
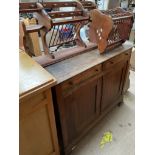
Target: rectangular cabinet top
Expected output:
[69,68]
[32,77]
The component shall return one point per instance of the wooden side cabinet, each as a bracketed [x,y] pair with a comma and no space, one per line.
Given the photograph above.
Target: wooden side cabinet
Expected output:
[85,98]
[37,128]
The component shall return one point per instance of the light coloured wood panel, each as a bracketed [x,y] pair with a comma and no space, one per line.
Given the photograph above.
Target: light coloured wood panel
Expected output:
[32,104]
[38,135]
[32,77]
[35,134]
[34,37]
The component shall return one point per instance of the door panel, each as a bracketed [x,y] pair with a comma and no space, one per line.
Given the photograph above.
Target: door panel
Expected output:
[80,108]
[113,84]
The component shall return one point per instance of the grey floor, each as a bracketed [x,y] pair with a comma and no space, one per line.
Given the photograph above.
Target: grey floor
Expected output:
[120,121]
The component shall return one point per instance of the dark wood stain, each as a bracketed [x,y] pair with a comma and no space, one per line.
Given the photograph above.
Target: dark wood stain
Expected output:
[83,99]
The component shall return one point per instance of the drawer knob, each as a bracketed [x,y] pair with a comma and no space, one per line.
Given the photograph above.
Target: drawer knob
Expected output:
[111,62]
[126,53]
[70,83]
[96,70]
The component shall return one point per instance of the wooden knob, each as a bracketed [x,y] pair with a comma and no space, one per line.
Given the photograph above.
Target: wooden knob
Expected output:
[111,62]
[70,82]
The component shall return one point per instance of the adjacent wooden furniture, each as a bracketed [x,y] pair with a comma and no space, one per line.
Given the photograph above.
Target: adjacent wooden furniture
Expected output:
[28,37]
[110,28]
[31,25]
[37,129]
[88,5]
[63,30]
[88,86]
[107,29]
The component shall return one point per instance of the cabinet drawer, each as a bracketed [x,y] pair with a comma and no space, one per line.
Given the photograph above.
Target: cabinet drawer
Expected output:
[113,61]
[82,77]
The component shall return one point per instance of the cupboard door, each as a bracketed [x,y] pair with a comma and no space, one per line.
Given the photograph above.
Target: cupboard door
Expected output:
[37,129]
[113,82]
[79,108]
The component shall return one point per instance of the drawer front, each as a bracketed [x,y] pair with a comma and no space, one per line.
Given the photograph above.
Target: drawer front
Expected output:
[113,61]
[81,77]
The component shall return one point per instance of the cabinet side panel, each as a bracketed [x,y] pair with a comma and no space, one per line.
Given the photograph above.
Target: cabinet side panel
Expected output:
[37,126]
[35,134]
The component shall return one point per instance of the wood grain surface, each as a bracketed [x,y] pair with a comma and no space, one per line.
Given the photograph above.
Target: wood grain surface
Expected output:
[71,67]
[32,77]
